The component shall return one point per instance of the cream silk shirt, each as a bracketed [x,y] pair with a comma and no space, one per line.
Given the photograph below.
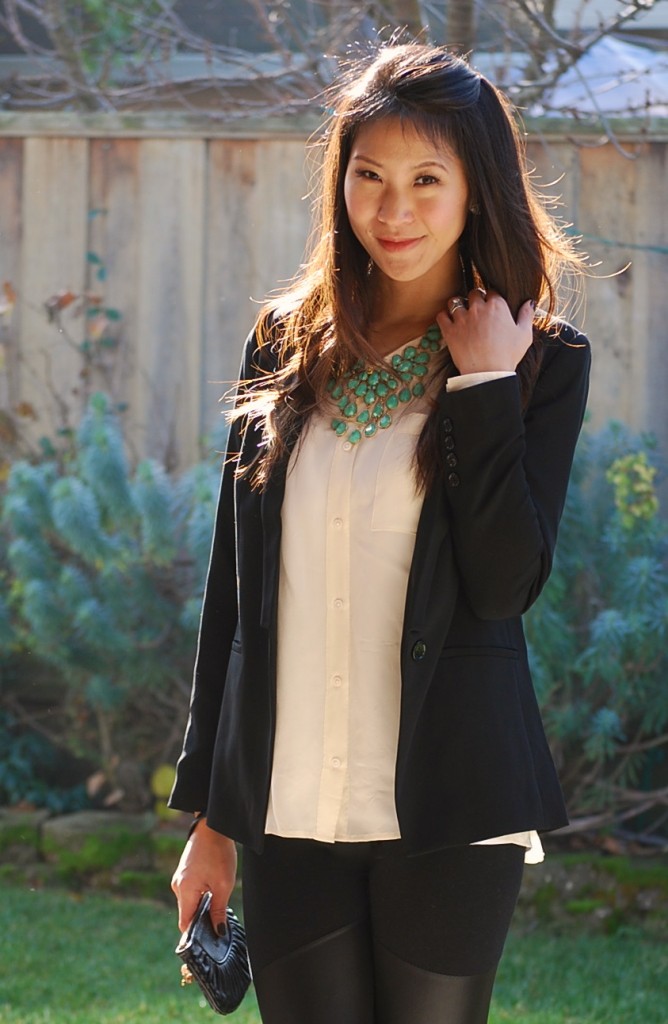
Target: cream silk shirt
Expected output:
[349,521]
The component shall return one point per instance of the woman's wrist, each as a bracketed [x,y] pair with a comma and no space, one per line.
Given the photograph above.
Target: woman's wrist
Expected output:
[200,826]
[198,818]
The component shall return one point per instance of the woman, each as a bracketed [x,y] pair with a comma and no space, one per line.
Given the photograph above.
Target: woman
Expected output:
[362,716]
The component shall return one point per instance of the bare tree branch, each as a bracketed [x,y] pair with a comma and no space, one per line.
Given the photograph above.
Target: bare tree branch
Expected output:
[460,25]
[564,52]
[406,14]
[13,25]
[144,68]
[602,117]
[546,27]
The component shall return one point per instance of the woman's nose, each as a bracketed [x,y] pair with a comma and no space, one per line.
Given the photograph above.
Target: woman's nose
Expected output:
[394,208]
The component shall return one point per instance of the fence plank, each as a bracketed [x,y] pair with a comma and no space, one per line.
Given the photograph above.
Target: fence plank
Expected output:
[607,198]
[258,225]
[11,168]
[618,204]
[53,259]
[170,233]
[114,214]
[649,296]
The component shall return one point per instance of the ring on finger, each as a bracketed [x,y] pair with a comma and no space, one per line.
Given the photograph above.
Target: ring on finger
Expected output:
[456,303]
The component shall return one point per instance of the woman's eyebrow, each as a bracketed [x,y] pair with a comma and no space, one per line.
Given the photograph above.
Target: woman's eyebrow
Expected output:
[415,167]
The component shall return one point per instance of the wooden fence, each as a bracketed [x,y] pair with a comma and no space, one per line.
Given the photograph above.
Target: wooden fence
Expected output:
[184,227]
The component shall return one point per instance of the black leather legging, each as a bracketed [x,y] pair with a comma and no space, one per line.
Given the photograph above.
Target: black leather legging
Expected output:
[359,933]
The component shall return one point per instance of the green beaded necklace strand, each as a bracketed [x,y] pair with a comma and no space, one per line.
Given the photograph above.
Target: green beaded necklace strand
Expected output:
[381,391]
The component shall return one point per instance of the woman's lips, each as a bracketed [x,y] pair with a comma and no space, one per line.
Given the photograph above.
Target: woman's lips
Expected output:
[397,244]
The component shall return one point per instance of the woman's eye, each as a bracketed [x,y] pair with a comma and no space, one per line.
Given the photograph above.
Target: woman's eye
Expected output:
[427,179]
[367,175]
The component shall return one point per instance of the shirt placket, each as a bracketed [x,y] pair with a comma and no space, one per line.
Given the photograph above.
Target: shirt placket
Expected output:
[334,773]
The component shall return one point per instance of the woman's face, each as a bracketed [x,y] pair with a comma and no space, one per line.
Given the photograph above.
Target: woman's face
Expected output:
[407,201]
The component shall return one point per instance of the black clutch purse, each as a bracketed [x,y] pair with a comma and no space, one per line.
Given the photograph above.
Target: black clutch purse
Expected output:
[218,963]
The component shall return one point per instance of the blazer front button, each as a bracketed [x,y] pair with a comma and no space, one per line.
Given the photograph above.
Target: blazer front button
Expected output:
[451,460]
[453,480]
[419,650]
[449,443]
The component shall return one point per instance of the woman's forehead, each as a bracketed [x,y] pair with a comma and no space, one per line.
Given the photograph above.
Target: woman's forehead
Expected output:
[399,136]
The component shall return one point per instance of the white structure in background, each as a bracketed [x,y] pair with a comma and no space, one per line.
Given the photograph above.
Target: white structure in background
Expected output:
[590,13]
[621,75]
[614,78]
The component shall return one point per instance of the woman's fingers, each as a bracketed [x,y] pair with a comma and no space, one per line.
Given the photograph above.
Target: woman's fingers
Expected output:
[481,333]
[218,908]
[208,864]
[455,303]
[526,314]
[188,900]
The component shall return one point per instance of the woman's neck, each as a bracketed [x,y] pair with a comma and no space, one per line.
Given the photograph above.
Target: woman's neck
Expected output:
[404,310]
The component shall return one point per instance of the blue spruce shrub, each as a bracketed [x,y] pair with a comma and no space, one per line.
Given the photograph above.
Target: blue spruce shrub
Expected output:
[105,573]
[598,635]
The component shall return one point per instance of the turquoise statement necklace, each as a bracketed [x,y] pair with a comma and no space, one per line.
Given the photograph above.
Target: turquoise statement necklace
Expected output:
[367,397]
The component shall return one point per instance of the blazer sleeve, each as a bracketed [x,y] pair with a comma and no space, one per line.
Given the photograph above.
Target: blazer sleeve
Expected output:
[507,475]
[218,623]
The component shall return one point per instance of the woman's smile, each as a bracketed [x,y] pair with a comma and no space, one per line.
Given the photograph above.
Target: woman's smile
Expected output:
[398,244]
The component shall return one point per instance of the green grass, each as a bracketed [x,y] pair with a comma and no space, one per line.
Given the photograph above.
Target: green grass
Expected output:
[582,978]
[96,959]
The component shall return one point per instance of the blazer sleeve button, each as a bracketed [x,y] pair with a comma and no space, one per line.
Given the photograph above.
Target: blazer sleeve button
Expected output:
[453,479]
[419,650]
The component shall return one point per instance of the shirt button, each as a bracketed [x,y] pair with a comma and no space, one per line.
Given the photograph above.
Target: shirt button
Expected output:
[335,762]
[347,446]
[338,603]
[338,523]
[337,680]
[419,650]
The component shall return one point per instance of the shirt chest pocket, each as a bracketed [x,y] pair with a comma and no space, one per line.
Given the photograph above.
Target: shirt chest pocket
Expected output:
[397,501]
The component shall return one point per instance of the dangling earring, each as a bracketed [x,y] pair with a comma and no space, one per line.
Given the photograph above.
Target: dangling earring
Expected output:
[462,267]
[369,267]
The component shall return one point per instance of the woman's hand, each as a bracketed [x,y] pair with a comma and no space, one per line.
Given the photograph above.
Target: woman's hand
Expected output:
[482,335]
[208,862]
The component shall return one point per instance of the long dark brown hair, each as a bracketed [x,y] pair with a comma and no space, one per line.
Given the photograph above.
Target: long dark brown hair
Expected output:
[510,244]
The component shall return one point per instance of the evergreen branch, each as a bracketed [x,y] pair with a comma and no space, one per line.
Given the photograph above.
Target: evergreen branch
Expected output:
[639,745]
[604,819]
[156,642]
[30,720]
[640,796]
[646,838]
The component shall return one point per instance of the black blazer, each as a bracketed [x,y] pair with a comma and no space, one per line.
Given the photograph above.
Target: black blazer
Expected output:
[472,760]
